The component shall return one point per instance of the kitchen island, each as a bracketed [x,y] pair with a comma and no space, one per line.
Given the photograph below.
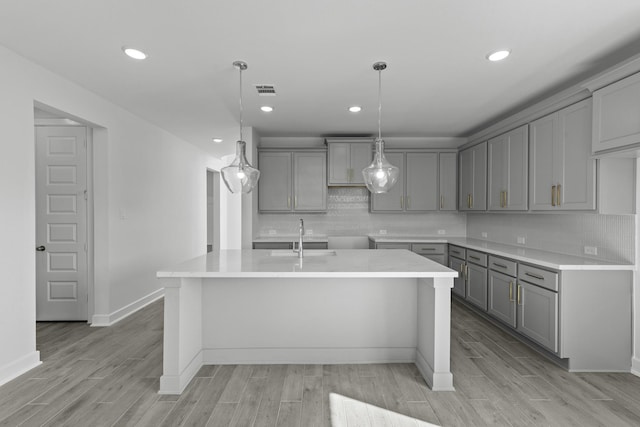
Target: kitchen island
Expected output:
[331,307]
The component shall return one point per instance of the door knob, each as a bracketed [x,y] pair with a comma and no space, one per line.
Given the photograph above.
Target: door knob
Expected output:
[40,248]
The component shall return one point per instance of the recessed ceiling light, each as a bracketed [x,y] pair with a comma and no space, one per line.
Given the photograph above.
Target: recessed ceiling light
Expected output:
[134,53]
[355,109]
[217,140]
[498,55]
[266,108]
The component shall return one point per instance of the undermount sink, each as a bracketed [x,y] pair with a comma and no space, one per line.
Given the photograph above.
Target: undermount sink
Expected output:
[307,253]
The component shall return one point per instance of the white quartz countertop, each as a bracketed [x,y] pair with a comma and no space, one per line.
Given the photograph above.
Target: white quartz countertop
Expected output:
[352,263]
[553,260]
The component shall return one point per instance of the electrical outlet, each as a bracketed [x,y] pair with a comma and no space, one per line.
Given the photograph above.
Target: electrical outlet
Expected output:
[590,250]
[383,231]
[272,232]
[442,232]
[521,240]
[308,232]
[484,234]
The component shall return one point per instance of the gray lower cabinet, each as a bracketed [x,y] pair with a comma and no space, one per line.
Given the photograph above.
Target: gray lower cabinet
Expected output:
[538,315]
[289,245]
[477,285]
[459,283]
[406,246]
[502,297]
[433,251]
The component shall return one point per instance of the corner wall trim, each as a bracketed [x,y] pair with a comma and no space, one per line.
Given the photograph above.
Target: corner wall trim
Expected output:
[18,367]
[101,320]
[635,366]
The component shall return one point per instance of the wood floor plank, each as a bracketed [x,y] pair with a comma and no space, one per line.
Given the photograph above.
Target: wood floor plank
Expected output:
[222,415]
[247,409]
[272,395]
[187,402]
[239,380]
[289,414]
[311,411]
[211,396]
[293,384]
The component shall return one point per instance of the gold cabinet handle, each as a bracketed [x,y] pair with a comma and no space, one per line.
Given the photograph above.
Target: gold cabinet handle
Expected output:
[408,202]
[401,202]
[466,273]
[442,201]
[511,291]
[469,201]
[519,295]
[553,195]
[559,191]
[288,201]
[295,202]
[471,198]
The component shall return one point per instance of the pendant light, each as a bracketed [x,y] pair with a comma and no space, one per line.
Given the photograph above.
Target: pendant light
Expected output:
[240,176]
[380,175]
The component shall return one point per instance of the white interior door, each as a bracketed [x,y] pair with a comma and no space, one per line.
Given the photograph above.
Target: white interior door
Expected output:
[61,223]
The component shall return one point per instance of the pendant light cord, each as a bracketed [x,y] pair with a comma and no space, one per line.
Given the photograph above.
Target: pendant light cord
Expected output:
[379,102]
[240,97]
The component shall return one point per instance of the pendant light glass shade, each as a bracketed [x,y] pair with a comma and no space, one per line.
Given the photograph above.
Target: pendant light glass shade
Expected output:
[240,176]
[380,175]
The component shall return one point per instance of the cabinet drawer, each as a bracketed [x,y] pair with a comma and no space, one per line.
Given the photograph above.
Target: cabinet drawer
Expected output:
[271,245]
[393,246]
[457,251]
[428,248]
[439,258]
[538,276]
[503,265]
[478,258]
[311,245]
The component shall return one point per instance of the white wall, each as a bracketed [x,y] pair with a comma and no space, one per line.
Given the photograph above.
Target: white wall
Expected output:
[150,203]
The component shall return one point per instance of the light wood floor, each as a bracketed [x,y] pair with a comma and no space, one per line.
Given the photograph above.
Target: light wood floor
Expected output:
[109,376]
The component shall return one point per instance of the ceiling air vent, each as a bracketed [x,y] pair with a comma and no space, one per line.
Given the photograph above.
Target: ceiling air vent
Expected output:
[266,90]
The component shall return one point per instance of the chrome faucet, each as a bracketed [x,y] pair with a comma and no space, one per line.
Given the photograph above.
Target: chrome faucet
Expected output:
[300,234]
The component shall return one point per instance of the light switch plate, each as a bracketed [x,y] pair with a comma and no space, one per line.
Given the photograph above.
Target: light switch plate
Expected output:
[272,232]
[521,240]
[590,250]
[484,234]
[442,232]
[383,231]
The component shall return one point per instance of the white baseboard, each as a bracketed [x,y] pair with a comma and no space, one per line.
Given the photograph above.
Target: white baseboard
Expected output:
[325,356]
[100,320]
[18,367]
[175,384]
[635,366]
[437,381]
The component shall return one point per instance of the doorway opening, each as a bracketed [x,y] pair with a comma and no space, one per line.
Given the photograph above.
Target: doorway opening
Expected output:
[64,216]
[213,210]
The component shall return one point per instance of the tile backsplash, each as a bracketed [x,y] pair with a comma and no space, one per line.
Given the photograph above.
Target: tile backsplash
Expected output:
[348,215]
[567,233]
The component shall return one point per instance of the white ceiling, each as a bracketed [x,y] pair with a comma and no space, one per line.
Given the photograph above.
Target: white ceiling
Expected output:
[319,56]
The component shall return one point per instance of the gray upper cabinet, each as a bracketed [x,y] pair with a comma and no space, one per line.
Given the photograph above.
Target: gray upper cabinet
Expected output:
[562,174]
[448,181]
[473,178]
[421,182]
[393,200]
[616,115]
[292,181]
[346,161]
[508,170]
[424,184]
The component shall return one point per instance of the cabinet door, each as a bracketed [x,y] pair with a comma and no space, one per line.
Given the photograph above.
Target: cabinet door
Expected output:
[508,170]
[405,246]
[310,181]
[422,182]
[459,283]
[616,115]
[502,297]
[339,163]
[541,159]
[275,185]
[466,180]
[392,201]
[477,285]
[538,315]
[361,156]
[448,181]
[479,183]
[575,172]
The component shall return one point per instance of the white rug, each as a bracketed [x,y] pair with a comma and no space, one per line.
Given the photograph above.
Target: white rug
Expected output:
[346,412]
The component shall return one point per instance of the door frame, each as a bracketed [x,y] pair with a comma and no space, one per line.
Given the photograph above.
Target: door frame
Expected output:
[63,120]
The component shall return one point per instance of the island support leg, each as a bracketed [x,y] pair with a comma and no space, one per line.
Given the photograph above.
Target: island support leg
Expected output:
[434,332]
[182,352]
